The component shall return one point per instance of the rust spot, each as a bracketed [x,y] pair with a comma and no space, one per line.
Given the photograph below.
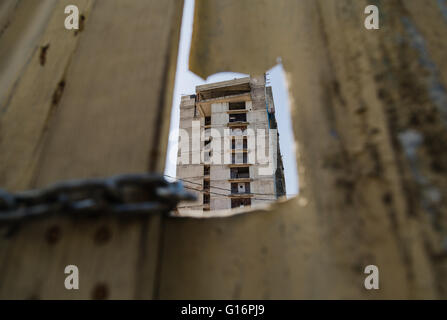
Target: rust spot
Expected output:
[57,95]
[81,25]
[102,235]
[5,27]
[43,54]
[53,235]
[360,110]
[100,292]
[387,198]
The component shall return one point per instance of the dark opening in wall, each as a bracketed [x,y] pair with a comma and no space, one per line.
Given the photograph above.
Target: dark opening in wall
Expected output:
[240,188]
[237,105]
[241,172]
[240,202]
[238,117]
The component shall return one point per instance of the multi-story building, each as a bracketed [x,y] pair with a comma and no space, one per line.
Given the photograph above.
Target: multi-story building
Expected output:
[229,151]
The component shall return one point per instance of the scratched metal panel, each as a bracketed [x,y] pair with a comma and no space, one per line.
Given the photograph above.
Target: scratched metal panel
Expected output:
[103,98]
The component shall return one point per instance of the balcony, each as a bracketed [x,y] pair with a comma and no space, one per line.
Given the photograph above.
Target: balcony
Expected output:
[237,118]
[237,203]
[240,173]
[236,106]
[240,188]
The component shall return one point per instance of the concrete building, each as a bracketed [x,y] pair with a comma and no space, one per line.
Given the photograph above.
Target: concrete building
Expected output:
[229,151]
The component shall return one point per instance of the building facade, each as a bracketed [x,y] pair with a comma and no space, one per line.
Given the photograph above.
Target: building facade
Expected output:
[229,153]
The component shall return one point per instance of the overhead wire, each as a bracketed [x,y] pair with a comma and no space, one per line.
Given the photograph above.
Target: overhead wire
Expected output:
[225,189]
[220,194]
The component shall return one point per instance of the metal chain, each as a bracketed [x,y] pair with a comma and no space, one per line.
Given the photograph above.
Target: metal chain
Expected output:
[129,193]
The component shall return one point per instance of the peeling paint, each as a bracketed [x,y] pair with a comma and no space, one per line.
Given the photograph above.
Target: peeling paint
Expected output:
[411,140]
[435,87]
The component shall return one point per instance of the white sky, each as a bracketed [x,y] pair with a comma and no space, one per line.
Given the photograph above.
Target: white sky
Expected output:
[186,81]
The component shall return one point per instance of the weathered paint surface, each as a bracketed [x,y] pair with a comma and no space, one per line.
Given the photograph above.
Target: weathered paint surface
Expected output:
[89,105]
[369,117]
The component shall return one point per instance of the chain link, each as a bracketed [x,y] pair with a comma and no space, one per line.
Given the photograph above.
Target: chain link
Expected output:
[129,193]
